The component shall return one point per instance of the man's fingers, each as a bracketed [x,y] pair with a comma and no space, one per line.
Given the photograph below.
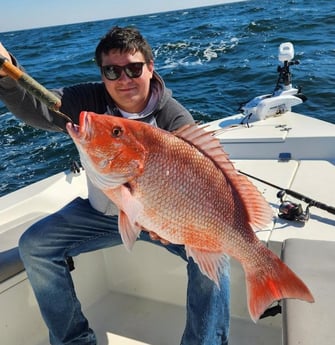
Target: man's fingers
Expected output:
[155,237]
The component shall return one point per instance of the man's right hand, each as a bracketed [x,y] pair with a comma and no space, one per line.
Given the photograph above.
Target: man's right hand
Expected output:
[4,52]
[155,237]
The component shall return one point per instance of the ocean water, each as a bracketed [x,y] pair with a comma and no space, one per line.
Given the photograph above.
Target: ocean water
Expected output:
[213,58]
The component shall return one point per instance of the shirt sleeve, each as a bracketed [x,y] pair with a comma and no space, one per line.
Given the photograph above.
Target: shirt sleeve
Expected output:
[26,107]
[74,99]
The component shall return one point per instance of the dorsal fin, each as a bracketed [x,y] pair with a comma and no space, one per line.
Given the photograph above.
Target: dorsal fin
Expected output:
[258,210]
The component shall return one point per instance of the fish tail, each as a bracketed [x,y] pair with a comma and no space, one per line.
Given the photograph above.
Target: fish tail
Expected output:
[272,282]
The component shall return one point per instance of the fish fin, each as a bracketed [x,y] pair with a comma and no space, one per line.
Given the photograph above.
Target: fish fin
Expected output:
[273,282]
[129,210]
[203,140]
[258,210]
[210,264]
[129,232]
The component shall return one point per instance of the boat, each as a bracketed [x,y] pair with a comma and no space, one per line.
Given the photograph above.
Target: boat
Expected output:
[131,299]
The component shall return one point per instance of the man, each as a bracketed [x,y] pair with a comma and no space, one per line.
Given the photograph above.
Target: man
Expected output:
[130,88]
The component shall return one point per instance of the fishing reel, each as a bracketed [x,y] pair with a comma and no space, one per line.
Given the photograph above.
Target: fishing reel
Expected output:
[291,211]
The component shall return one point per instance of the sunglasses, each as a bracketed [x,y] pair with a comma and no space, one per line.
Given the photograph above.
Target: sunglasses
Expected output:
[132,70]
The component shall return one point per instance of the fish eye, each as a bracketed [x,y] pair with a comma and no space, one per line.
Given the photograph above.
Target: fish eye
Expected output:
[116,132]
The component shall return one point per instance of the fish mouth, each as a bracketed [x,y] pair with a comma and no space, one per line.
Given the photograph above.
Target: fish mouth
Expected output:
[81,131]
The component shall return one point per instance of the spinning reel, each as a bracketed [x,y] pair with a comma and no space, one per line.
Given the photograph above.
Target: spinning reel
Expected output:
[292,211]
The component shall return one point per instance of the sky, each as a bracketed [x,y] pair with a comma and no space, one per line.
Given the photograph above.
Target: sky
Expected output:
[27,14]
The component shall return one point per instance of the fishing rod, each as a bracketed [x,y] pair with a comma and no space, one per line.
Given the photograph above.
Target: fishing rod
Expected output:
[33,87]
[290,210]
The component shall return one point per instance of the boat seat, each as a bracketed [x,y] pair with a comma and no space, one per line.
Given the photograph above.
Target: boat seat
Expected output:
[10,264]
[10,261]
[310,323]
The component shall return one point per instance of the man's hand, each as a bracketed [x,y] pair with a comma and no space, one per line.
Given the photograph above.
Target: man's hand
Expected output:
[4,53]
[155,237]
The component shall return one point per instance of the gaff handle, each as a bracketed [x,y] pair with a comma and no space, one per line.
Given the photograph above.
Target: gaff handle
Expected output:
[30,84]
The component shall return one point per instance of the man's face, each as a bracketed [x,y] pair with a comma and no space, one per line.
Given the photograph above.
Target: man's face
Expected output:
[129,94]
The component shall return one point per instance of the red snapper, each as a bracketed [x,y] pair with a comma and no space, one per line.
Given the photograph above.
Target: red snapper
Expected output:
[183,187]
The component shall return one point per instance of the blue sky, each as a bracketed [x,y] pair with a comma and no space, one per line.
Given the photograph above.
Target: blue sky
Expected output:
[26,14]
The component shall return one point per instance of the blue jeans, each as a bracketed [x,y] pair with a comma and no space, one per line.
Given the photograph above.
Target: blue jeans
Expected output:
[78,228]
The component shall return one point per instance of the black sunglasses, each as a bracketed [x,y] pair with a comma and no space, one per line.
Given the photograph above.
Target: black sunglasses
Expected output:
[132,70]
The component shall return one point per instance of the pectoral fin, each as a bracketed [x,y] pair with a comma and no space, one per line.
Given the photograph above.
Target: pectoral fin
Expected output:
[129,231]
[129,210]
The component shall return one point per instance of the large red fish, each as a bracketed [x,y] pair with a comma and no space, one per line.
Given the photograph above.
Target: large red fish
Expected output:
[183,187]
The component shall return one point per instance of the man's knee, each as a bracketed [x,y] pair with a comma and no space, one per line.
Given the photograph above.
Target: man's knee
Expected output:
[32,238]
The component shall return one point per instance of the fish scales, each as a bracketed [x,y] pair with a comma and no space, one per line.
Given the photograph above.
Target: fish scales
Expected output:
[170,182]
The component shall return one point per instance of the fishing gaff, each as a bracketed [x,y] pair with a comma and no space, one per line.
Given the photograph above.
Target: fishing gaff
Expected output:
[33,87]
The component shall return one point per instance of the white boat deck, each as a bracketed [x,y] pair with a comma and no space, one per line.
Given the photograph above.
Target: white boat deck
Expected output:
[156,323]
[120,318]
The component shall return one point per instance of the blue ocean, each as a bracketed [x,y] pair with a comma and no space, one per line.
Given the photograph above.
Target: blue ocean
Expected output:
[213,58]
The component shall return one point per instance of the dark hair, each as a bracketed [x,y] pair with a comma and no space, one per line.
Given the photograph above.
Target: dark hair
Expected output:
[125,40]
